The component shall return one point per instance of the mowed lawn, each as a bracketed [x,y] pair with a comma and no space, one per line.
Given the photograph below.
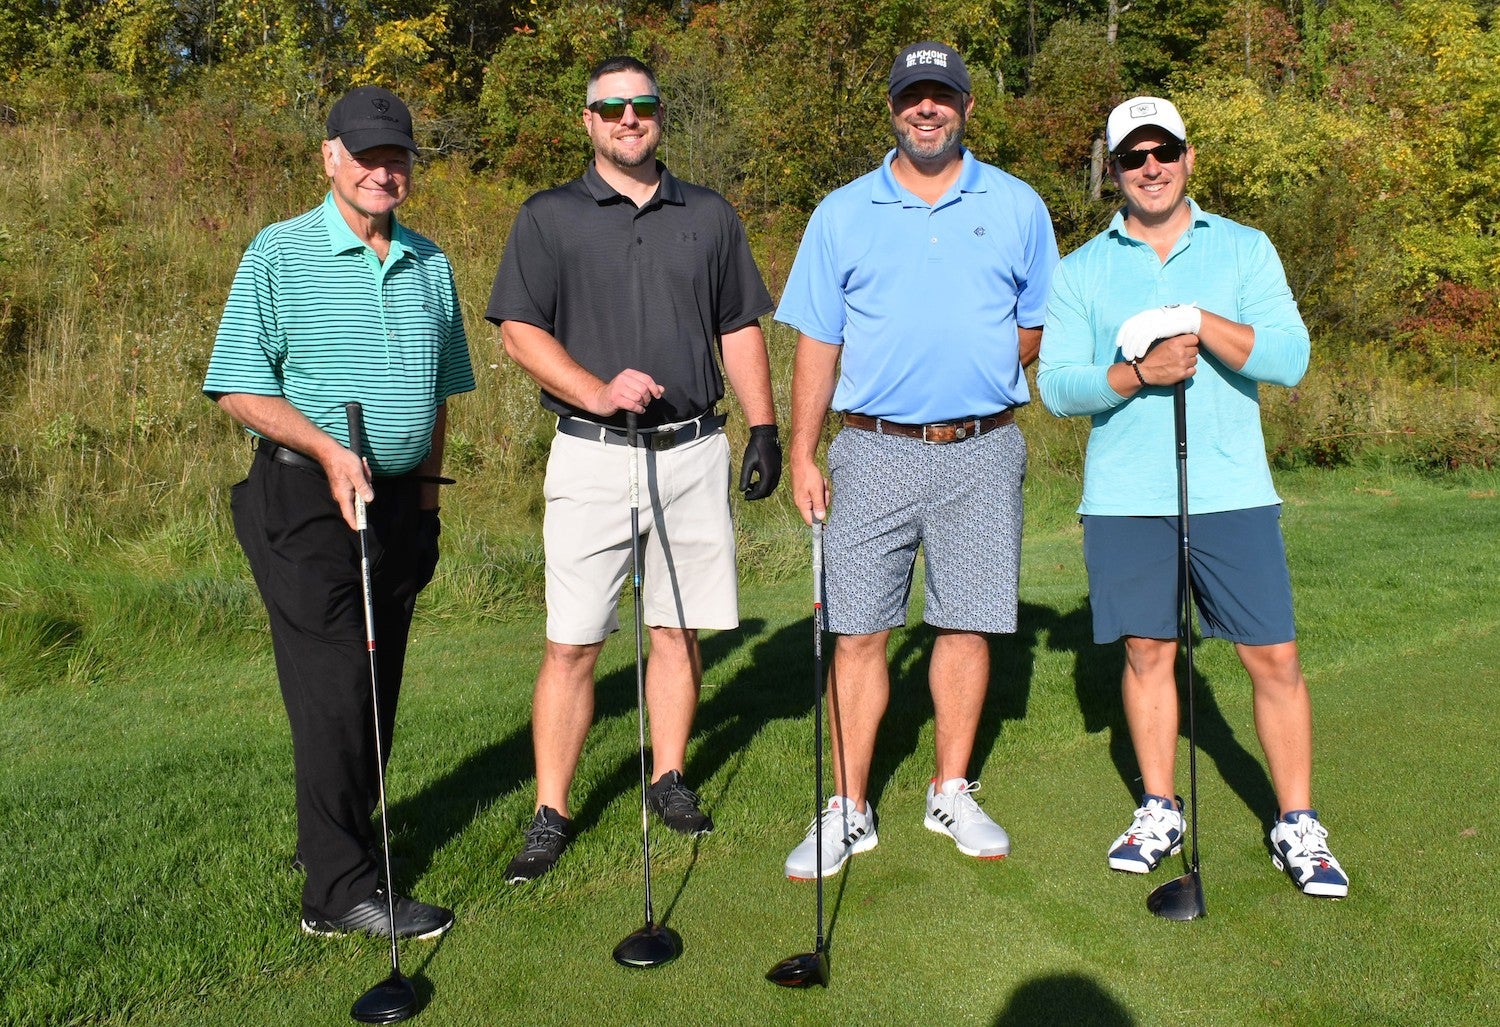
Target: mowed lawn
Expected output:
[146,820]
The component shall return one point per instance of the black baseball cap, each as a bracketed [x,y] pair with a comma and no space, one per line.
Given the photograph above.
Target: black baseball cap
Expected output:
[369,116]
[929,62]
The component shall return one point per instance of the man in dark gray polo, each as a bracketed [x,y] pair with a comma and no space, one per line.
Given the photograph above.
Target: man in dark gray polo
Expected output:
[620,293]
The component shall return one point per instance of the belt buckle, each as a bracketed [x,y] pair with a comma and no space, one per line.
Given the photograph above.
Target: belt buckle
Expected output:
[663,440]
[959,434]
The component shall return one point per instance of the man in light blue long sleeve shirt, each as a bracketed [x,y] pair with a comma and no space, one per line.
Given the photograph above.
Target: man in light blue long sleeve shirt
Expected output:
[1166,294]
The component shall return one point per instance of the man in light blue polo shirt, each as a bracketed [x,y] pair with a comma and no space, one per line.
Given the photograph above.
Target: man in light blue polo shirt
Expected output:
[1169,293]
[343,304]
[918,292]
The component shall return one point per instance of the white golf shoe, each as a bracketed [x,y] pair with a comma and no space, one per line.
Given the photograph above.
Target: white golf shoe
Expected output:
[951,810]
[845,831]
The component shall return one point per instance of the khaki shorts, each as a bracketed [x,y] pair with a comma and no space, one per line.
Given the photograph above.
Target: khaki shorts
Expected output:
[687,537]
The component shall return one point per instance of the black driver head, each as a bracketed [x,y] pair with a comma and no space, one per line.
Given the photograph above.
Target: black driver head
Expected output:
[650,946]
[391,1001]
[1179,899]
[801,971]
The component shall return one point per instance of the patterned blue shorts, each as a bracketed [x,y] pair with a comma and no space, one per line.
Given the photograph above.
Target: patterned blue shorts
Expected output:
[960,503]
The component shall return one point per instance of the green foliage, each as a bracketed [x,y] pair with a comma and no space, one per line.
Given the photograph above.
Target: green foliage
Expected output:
[534,89]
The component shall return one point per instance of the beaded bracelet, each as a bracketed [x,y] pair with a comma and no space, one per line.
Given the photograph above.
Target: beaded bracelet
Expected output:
[1136,367]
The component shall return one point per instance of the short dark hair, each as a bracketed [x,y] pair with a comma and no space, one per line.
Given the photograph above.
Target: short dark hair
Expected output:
[610,65]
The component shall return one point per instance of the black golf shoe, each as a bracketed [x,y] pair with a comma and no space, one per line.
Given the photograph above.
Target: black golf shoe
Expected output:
[546,839]
[677,805]
[372,916]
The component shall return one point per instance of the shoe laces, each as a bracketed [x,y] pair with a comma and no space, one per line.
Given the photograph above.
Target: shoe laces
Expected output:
[963,801]
[539,837]
[676,797]
[834,820]
[1311,835]
[1153,817]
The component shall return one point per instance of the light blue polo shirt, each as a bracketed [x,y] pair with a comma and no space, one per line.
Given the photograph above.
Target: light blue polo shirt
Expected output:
[314,316]
[925,299]
[1130,468]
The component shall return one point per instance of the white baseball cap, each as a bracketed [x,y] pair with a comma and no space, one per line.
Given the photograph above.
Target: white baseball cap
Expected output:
[1138,112]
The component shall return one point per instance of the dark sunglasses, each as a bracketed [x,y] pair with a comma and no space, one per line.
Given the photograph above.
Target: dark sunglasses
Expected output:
[1166,153]
[613,107]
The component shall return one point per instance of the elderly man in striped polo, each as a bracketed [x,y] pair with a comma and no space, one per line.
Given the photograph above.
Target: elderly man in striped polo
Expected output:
[343,303]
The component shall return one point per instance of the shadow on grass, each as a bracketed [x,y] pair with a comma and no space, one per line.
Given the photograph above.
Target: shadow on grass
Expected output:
[1096,680]
[728,717]
[1063,998]
[1012,665]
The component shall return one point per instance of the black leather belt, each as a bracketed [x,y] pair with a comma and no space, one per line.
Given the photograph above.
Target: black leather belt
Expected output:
[290,457]
[282,455]
[646,438]
[933,434]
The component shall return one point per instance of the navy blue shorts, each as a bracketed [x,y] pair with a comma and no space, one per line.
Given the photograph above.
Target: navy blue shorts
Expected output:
[1241,584]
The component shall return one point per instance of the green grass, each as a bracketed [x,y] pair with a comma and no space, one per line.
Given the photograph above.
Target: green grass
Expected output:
[146,810]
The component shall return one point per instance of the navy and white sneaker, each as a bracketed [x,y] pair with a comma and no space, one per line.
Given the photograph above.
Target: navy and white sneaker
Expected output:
[951,810]
[845,830]
[1155,834]
[1299,846]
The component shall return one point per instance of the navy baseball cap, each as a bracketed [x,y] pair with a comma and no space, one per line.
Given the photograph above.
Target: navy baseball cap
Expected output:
[369,116]
[929,62]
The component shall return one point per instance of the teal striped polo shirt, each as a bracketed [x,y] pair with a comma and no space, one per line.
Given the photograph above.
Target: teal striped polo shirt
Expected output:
[315,317]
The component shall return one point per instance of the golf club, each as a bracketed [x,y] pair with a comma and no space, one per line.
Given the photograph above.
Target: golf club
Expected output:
[393,999]
[652,944]
[1182,898]
[809,968]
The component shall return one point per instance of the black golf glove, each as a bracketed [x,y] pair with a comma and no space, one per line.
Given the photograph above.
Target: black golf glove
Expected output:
[763,458]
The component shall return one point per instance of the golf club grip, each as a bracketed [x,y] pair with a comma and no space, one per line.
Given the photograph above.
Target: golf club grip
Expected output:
[1179,414]
[635,480]
[817,563]
[356,416]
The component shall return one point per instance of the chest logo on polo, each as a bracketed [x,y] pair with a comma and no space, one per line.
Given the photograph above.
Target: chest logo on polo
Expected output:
[688,237]
[979,230]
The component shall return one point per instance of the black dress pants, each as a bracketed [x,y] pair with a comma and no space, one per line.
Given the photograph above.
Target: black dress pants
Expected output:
[306,564]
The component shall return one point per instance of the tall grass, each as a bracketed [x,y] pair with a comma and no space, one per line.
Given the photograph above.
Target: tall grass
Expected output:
[119,236]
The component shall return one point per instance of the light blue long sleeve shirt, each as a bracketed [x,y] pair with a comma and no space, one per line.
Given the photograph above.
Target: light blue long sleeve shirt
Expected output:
[1130,468]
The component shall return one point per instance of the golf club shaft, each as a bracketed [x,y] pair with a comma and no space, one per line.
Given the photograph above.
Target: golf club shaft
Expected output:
[817,543]
[1185,587]
[640,666]
[355,415]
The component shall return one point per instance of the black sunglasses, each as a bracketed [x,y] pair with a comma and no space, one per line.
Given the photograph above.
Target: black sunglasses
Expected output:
[1166,153]
[612,107]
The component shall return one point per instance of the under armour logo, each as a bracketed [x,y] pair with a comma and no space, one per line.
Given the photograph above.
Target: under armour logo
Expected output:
[688,237]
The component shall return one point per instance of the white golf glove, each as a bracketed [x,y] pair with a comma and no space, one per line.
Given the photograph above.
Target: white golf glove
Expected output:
[1140,330]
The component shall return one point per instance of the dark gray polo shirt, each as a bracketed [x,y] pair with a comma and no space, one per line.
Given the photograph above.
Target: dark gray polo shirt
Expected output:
[651,288]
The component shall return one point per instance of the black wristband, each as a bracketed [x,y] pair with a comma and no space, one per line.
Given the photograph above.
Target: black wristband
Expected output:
[1135,365]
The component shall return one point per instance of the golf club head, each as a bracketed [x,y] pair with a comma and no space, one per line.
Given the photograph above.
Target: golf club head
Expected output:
[391,1001]
[1179,899]
[650,946]
[801,971]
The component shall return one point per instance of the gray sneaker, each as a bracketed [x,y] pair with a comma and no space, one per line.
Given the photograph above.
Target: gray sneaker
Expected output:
[546,839]
[413,919]
[845,832]
[677,805]
[951,810]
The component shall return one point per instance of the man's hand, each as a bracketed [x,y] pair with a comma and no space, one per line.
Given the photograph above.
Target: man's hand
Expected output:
[762,459]
[1139,331]
[630,390]
[347,476]
[810,491]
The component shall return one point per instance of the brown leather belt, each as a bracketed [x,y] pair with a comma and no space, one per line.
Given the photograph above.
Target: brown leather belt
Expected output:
[933,434]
